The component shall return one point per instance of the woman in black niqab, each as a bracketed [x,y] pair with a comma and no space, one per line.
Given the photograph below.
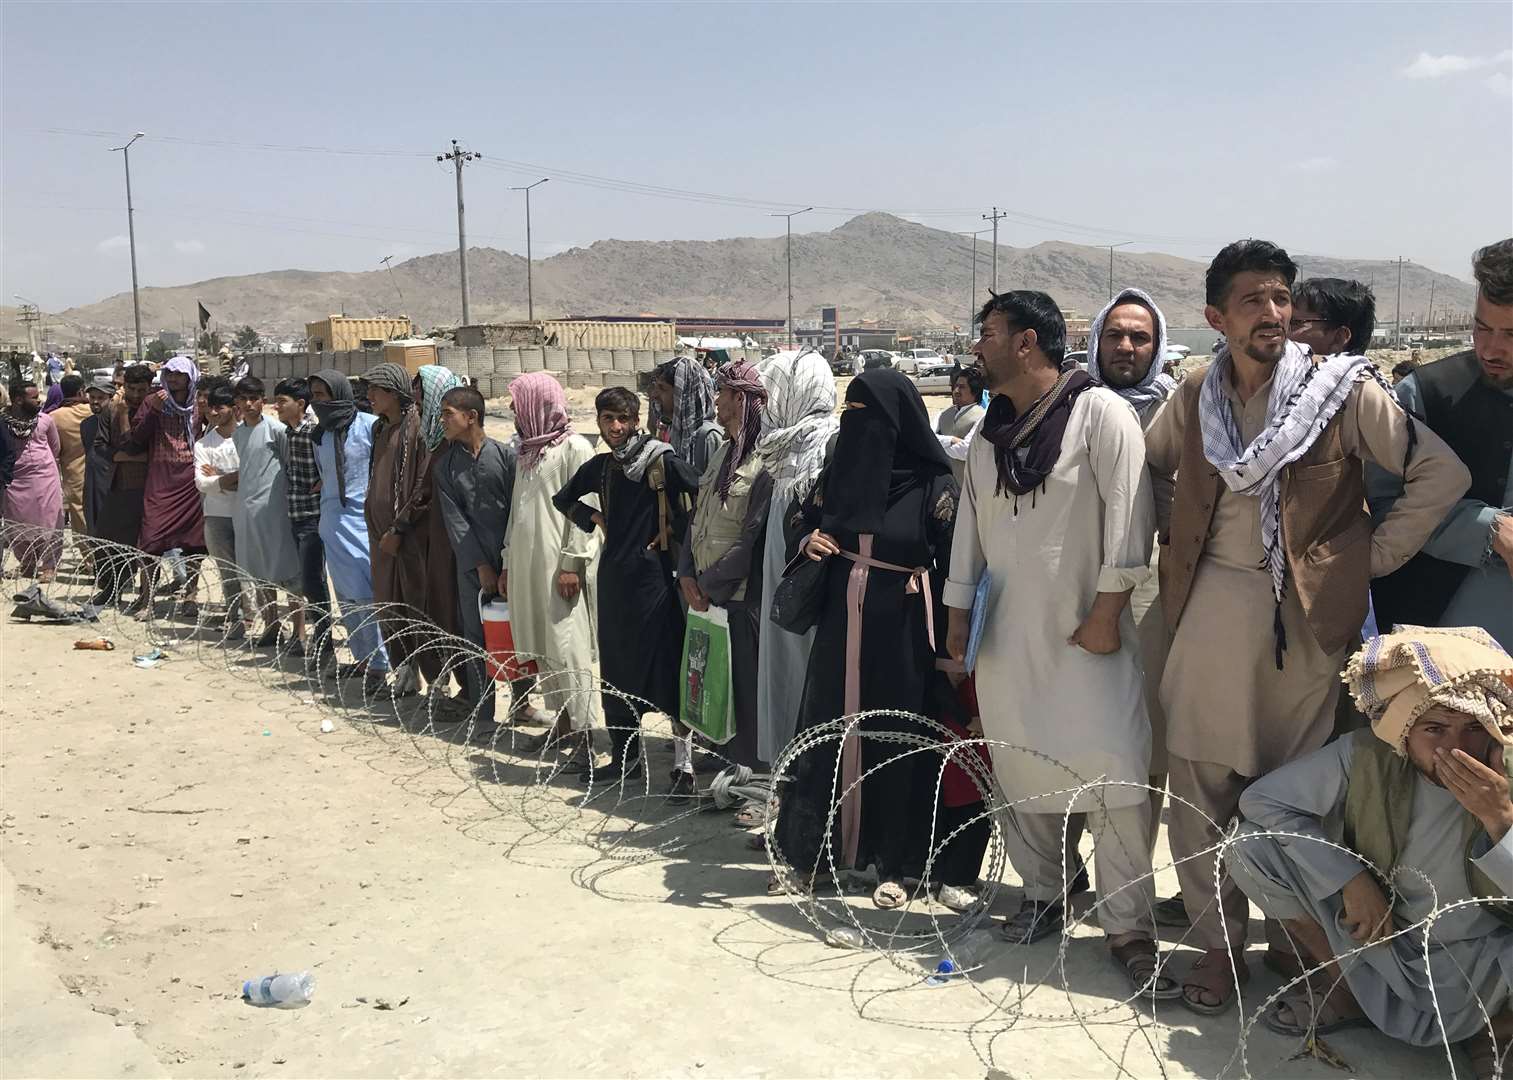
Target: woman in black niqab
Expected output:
[880,516]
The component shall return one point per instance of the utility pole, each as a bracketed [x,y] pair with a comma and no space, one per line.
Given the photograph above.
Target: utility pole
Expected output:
[385,263]
[972,300]
[1429,322]
[460,157]
[994,217]
[1111,248]
[1397,332]
[530,293]
[790,218]
[131,235]
[30,314]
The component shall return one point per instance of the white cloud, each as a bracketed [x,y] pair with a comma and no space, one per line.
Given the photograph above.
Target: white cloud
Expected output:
[188,247]
[1500,83]
[1314,165]
[112,244]
[1429,66]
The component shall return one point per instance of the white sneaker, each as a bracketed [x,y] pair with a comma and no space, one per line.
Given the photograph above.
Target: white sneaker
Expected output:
[956,898]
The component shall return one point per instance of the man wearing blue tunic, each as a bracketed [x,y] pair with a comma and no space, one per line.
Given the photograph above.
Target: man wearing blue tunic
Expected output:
[343,453]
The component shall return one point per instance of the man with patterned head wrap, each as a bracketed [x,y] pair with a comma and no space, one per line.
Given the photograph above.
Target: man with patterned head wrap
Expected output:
[398,512]
[164,428]
[682,412]
[548,562]
[799,423]
[721,562]
[1388,854]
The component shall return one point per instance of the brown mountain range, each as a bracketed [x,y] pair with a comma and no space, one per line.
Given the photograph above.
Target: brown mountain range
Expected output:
[875,266]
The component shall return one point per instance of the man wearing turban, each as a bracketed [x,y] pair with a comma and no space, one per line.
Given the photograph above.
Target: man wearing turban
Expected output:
[1388,854]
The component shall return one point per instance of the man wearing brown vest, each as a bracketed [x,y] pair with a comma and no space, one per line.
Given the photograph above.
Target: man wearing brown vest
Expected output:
[1266,555]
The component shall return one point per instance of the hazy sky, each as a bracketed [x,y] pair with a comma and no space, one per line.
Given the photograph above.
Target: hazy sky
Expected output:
[1371,130]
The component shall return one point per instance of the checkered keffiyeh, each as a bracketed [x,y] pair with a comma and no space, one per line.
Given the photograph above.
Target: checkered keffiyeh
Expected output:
[1305,395]
[1397,677]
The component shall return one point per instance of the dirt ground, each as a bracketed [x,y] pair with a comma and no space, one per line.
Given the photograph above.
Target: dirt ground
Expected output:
[168,832]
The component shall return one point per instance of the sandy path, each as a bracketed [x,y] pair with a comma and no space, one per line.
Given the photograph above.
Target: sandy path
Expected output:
[173,831]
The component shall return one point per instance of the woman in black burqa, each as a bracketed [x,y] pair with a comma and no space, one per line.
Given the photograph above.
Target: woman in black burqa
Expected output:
[880,516]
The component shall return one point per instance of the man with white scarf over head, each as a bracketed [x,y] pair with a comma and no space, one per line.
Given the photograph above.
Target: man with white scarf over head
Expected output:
[798,423]
[1267,551]
[1126,352]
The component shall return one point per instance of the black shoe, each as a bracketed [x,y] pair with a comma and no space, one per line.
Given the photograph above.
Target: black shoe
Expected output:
[1172,912]
[613,773]
[101,598]
[1080,883]
[1034,920]
[268,638]
[684,787]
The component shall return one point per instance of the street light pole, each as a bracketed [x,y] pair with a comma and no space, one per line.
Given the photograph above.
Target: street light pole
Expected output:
[530,294]
[790,218]
[1111,248]
[131,235]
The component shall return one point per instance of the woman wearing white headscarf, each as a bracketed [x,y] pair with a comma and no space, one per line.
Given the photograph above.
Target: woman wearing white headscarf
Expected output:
[799,422]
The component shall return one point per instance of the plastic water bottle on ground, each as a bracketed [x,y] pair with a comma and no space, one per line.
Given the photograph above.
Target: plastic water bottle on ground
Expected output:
[280,991]
[966,954]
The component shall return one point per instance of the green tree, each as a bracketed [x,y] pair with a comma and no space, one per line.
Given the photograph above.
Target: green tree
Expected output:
[246,339]
[157,352]
[210,342]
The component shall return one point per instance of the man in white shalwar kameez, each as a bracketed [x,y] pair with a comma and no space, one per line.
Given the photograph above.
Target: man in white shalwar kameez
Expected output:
[1421,803]
[1056,507]
[548,561]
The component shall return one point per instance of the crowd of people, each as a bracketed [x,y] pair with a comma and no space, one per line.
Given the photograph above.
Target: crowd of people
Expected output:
[1110,586]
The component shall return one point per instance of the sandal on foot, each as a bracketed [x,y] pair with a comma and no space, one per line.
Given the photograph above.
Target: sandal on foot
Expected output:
[1034,920]
[1211,974]
[889,895]
[1326,1016]
[751,816]
[1146,970]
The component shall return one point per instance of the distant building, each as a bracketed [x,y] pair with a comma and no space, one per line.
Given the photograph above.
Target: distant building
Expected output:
[853,337]
[338,333]
[572,334]
[171,339]
[700,326]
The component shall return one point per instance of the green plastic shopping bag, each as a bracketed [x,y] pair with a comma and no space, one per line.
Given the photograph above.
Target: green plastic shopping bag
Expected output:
[705,699]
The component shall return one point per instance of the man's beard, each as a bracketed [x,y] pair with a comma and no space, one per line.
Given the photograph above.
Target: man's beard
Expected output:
[1254,350]
[27,409]
[1116,380]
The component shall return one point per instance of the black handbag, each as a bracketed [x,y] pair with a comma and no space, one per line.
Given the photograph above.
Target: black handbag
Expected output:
[800,596]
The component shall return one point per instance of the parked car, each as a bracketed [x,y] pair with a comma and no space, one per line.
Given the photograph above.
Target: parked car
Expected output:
[941,365]
[910,360]
[873,358]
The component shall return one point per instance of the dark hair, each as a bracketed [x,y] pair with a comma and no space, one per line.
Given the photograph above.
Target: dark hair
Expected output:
[973,375]
[299,389]
[1404,368]
[617,399]
[139,373]
[250,387]
[72,385]
[465,399]
[1026,309]
[220,393]
[1242,256]
[1492,266]
[1341,302]
[666,372]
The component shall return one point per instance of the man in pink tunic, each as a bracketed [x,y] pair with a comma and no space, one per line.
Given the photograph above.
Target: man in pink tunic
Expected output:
[33,502]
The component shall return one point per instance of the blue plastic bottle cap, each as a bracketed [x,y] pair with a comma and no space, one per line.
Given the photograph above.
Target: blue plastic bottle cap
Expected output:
[946,967]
